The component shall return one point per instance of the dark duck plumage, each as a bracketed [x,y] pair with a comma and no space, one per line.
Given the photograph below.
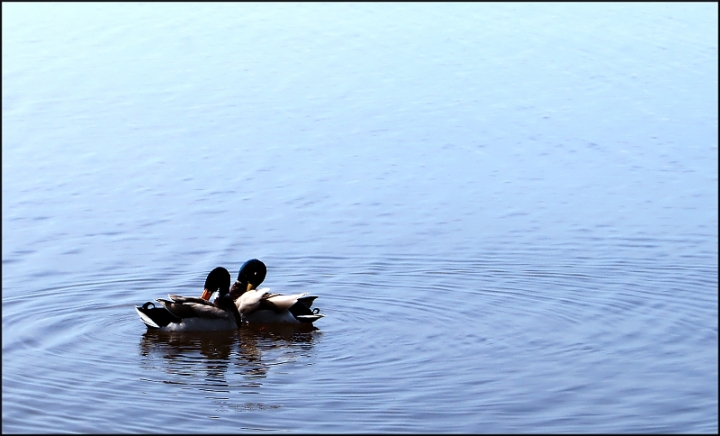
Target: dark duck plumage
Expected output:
[192,313]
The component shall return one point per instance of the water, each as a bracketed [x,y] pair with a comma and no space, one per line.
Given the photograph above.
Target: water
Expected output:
[509,213]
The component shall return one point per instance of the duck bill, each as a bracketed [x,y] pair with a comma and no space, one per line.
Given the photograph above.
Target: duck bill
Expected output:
[249,287]
[206,294]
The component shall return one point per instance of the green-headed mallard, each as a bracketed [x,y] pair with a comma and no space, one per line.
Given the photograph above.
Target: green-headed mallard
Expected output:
[259,306]
[192,313]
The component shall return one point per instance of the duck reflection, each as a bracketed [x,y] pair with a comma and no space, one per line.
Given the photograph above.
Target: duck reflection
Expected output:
[219,351]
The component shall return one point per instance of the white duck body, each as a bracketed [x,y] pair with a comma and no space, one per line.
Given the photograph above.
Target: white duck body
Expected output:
[259,306]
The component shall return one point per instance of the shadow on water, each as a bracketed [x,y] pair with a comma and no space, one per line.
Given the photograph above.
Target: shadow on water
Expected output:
[204,358]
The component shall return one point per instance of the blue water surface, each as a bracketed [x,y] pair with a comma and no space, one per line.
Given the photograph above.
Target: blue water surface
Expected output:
[508,212]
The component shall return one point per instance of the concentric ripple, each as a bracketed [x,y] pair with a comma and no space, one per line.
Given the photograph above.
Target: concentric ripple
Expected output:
[404,336]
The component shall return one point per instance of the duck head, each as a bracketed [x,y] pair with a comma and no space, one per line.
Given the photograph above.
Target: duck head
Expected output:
[217,280]
[251,274]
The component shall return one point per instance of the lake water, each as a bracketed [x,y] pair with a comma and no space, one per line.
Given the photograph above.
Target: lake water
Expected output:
[509,213]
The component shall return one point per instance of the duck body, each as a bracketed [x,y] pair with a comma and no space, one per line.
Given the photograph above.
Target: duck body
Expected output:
[177,316]
[194,314]
[260,306]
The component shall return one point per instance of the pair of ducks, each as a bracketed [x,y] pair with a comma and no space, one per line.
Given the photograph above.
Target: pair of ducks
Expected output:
[243,303]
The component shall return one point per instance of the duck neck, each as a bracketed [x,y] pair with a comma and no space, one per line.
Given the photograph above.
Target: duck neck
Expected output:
[225,302]
[238,288]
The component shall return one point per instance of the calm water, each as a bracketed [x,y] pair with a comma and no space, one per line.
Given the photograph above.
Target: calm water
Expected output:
[509,214]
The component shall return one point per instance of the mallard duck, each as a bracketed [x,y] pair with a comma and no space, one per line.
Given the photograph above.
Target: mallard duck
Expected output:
[192,313]
[259,306]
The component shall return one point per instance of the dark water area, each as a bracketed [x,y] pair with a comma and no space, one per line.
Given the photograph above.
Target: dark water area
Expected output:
[509,213]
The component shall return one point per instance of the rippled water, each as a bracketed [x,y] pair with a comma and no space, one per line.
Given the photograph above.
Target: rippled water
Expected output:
[508,212]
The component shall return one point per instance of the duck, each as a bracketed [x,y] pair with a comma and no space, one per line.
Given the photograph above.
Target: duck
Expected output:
[260,306]
[180,313]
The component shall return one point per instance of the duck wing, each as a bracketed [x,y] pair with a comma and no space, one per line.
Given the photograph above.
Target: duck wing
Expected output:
[193,309]
[180,299]
[250,301]
[296,304]
[285,302]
